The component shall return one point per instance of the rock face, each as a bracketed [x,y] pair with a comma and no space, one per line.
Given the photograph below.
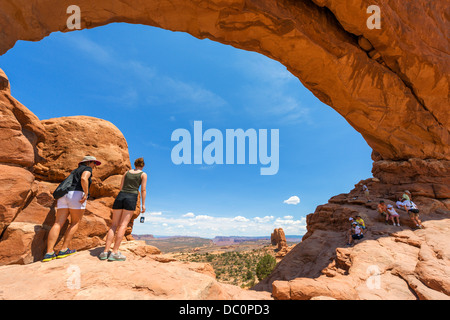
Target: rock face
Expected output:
[20,129]
[69,139]
[146,274]
[391,84]
[37,155]
[389,263]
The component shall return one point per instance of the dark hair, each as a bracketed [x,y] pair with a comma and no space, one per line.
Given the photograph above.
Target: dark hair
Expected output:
[139,162]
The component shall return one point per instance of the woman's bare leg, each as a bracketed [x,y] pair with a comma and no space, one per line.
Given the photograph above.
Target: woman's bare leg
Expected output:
[123,224]
[75,218]
[117,214]
[61,217]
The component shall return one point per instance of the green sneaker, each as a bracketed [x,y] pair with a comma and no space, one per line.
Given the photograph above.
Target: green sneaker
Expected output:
[116,257]
[103,256]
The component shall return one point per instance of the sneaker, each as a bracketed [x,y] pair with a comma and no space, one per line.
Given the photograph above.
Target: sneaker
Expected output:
[65,253]
[116,257]
[103,256]
[49,257]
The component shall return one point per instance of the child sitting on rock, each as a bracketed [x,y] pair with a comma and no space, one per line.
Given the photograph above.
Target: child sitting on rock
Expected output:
[360,221]
[382,209]
[399,203]
[394,215]
[355,233]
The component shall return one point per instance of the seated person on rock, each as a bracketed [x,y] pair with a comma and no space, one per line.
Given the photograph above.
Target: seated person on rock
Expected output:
[360,221]
[355,233]
[413,212]
[382,209]
[400,204]
[394,215]
[351,220]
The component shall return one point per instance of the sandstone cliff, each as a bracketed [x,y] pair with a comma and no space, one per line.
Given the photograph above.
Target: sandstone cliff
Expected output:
[37,155]
[389,263]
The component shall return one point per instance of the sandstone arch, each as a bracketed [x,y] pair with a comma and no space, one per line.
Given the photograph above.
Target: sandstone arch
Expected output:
[390,84]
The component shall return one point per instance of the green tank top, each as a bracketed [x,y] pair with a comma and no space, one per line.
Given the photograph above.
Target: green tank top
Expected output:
[132,182]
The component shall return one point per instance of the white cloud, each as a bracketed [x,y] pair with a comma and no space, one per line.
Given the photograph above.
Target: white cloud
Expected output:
[263,220]
[292,200]
[203,217]
[286,222]
[155,213]
[189,215]
[240,219]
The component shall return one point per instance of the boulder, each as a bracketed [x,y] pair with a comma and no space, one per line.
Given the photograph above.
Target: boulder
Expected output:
[27,198]
[15,190]
[69,139]
[20,129]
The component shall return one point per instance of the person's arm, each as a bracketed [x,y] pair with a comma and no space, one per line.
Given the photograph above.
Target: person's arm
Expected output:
[85,184]
[143,191]
[405,206]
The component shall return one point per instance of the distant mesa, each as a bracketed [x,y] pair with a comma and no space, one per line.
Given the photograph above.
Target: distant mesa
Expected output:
[143,237]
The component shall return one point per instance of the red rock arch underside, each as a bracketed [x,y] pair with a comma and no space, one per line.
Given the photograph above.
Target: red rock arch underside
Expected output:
[391,84]
[398,99]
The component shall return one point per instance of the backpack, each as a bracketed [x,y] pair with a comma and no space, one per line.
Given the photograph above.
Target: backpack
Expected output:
[63,187]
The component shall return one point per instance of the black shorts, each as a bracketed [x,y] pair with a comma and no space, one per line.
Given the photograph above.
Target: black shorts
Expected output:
[126,201]
[357,236]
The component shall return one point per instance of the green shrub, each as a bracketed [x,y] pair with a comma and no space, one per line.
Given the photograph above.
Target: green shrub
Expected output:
[265,266]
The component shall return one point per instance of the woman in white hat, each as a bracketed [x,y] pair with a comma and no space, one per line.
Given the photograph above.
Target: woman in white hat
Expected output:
[393,214]
[74,204]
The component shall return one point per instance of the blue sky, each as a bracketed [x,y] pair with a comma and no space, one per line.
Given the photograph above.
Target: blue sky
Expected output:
[150,82]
